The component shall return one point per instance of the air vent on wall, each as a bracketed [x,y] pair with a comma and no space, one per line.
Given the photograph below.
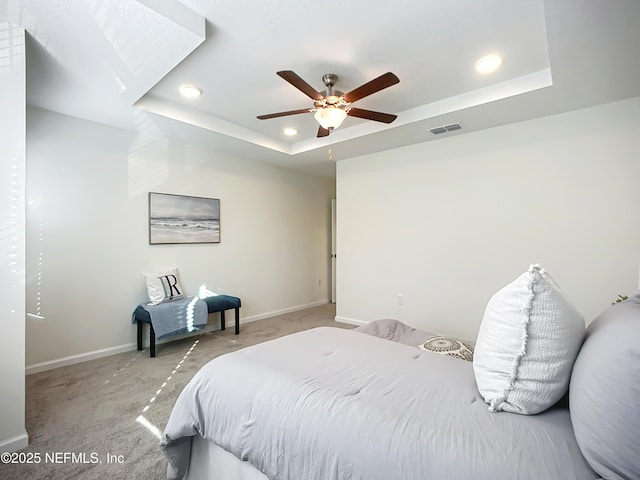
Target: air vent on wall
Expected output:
[446,128]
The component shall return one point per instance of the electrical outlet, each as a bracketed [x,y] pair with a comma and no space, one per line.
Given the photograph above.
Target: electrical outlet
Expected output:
[400,299]
[319,281]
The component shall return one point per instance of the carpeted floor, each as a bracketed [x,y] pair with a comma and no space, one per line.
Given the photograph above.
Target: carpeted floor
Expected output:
[102,419]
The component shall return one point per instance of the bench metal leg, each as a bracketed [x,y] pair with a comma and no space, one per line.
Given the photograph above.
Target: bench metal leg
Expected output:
[152,341]
[139,335]
[223,321]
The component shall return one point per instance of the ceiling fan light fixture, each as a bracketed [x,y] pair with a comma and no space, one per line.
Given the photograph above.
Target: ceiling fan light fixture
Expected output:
[330,118]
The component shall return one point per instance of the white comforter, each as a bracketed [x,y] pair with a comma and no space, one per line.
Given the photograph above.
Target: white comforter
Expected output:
[334,404]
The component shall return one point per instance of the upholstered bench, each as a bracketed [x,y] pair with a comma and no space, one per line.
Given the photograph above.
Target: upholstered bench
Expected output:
[216,303]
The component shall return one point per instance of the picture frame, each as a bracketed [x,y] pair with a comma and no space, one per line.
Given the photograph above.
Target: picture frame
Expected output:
[181,219]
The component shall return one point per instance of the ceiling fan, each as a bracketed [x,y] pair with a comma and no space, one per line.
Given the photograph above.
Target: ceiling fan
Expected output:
[331,106]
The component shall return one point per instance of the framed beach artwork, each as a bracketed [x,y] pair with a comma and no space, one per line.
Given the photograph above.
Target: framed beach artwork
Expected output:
[183,219]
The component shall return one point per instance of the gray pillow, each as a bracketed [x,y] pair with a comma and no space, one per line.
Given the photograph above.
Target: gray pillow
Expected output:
[604,393]
[394,330]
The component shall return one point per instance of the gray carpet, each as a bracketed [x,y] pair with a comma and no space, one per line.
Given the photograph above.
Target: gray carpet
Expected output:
[96,420]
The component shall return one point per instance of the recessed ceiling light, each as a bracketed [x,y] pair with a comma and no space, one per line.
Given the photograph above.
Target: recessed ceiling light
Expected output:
[290,131]
[190,91]
[488,64]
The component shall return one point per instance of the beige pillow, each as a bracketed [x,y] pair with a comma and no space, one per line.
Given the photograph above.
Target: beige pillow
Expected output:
[451,347]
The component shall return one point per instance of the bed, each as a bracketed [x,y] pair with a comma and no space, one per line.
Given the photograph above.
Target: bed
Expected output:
[335,404]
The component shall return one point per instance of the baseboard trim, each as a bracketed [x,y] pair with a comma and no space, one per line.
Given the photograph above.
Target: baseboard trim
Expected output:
[81,357]
[351,321]
[275,313]
[14,444]
[106,352]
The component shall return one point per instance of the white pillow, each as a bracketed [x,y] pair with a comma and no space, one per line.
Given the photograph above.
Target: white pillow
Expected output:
[163,286]
[528,341]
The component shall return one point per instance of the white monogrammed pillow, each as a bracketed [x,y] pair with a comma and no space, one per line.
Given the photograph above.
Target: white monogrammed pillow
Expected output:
[163,286]
[528,341]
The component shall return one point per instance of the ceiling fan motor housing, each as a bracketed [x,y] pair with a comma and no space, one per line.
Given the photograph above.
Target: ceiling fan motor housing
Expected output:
[330,79]
[332,98]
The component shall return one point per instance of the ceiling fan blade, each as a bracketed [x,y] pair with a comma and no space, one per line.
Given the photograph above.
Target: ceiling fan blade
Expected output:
[375,85]
[322,132]
[371,115]
[295,80]
[283,114]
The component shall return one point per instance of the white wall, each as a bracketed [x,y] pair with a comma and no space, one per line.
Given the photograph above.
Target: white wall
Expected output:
[448,222]
[87,233]
[13,435]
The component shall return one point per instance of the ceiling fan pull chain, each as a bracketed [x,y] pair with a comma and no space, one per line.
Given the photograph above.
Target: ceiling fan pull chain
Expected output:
[330,149]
